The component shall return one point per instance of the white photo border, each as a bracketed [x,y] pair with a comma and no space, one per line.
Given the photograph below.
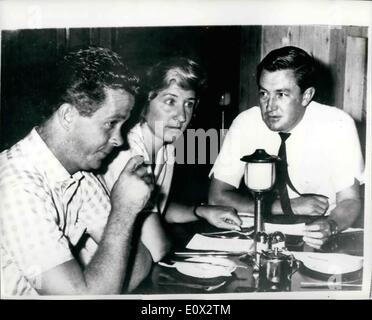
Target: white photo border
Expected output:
[113,13]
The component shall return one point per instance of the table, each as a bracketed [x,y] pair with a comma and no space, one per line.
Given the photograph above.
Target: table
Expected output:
[163,280]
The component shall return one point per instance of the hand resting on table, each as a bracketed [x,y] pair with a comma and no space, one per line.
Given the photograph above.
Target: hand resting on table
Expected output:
[220,216]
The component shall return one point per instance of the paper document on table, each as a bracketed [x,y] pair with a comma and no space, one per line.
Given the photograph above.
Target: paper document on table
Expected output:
[200,242]
[296,229]
[352,230]
[248,221]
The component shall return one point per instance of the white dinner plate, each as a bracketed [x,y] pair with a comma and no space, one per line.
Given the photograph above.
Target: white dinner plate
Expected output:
[206,267]
[330,263]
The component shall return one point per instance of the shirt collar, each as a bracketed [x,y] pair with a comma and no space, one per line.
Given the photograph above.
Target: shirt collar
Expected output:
[165,153]
[302,124]
[44,159]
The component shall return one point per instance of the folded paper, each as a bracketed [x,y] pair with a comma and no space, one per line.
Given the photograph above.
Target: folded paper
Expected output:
[296,229]
[200,242]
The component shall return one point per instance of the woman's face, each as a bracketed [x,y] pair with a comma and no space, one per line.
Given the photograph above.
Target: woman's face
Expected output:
[170,112]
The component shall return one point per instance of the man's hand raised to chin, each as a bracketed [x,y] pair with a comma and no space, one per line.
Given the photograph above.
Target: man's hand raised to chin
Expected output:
[133,188]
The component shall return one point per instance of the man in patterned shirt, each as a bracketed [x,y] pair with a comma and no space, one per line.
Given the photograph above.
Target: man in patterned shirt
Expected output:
[61,231]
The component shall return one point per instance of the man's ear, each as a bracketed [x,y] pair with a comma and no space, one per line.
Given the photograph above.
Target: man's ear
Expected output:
[307,96]
[66,115]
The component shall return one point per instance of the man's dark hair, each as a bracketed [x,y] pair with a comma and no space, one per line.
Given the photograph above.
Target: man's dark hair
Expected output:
[292,58]
[83,76]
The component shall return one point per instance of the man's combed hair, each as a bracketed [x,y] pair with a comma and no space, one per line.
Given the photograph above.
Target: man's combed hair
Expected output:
[292,58]
[86,73]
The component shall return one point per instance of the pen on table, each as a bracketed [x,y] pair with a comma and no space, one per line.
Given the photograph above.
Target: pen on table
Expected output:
[201,253]
[207,262]
[210,253]
[243,231]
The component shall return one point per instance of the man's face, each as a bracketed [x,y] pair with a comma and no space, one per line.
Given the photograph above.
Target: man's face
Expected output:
[170,112]
[95,137]
[281,101]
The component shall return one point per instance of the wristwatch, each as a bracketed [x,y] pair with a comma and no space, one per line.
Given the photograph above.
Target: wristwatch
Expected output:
[333,226]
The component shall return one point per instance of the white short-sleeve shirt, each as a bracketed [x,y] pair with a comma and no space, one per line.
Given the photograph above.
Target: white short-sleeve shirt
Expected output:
[323,152]
[44,213]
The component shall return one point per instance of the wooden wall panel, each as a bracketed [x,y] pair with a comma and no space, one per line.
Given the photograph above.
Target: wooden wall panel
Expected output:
[61,40]
[355,76]
[278,36]
[249,58]
[101,37]
[328,44]
[355,31]
[316,41]
[79,37]
[27,60]
[313,39]
[337,64]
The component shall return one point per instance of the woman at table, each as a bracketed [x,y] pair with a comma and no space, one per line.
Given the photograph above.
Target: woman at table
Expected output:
[172,89]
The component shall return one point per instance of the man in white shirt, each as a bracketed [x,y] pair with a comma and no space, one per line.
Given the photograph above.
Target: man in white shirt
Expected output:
[323,153]
[62,231]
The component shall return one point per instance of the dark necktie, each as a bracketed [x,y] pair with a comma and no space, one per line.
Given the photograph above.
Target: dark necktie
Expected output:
[282,176]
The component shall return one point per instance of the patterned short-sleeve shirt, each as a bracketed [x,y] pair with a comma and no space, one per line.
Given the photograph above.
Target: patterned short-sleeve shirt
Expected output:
[44,213]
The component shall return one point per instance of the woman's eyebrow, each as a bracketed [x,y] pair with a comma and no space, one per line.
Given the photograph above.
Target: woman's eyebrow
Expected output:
[164,94]
[169,94]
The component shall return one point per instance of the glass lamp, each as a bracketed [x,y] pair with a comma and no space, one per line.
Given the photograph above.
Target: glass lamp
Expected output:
[259,177]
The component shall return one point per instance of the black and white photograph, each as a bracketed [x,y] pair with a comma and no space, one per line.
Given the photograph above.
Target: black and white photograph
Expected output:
[216,151]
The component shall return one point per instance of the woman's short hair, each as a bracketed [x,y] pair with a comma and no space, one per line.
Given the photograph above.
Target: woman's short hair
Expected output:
[83,76]
[292,58]
[186,73]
